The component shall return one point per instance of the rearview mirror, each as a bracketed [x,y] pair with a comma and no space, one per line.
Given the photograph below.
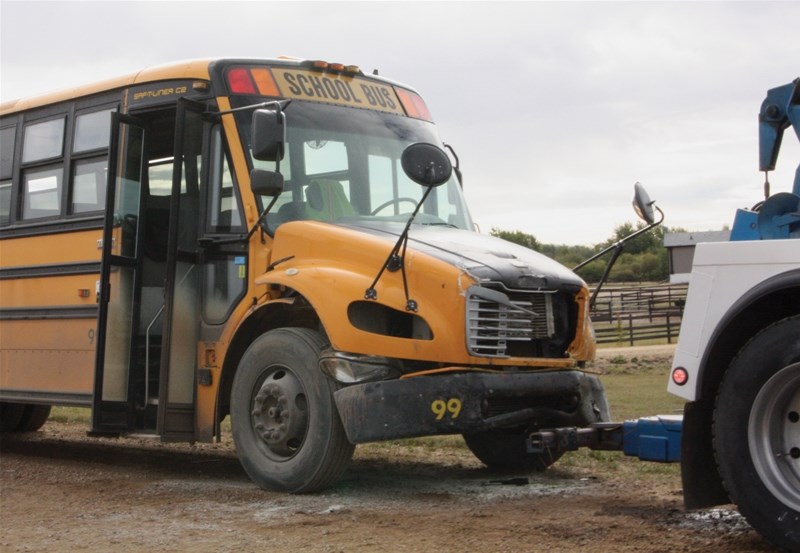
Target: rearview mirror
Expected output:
[642,204]
[269,134]
[426,164]
[266,183]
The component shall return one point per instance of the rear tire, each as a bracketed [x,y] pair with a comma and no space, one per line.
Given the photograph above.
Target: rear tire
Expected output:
[757,432]
[34,418]
[10,416]
[506,449]
[284,420]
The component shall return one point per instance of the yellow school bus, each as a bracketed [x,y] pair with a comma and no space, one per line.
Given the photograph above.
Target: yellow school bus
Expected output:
[282,241]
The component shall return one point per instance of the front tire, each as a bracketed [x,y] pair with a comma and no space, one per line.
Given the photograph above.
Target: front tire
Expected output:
[757,432]
[284,420]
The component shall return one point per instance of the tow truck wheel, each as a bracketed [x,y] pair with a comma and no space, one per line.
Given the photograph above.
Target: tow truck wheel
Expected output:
[757,432]
[284,420]
[506,449]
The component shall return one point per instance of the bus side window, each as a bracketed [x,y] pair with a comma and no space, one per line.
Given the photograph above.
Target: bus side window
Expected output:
[42,186]
[7,138]
[5,202]
[89,170]
[224,213]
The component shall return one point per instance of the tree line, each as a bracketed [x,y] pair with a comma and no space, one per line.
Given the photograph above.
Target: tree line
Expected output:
[643,259]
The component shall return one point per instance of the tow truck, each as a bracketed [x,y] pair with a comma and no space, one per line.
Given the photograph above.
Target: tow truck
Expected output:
[737,362]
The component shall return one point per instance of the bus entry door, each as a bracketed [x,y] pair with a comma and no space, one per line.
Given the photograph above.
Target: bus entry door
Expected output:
[114,403]
[148,324]
[177,392]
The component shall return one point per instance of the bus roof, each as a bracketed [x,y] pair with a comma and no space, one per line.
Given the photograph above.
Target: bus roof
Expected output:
[191,69]
[199,69]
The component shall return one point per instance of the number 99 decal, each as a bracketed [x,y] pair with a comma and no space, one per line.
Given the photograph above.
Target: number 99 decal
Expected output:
[441,408]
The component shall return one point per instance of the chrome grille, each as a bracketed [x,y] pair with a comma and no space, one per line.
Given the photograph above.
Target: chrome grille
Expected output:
[496,319]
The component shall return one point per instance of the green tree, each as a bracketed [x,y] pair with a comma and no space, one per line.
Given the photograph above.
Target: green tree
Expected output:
[643,259]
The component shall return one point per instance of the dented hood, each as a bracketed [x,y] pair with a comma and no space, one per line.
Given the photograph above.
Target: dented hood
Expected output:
[487,258]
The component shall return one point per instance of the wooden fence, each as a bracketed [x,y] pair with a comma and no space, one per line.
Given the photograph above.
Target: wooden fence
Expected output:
[636,314]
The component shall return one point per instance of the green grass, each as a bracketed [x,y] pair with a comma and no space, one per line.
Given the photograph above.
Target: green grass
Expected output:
[634,395]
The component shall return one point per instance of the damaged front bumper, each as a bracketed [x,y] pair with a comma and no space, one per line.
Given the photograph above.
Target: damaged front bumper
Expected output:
[469,402]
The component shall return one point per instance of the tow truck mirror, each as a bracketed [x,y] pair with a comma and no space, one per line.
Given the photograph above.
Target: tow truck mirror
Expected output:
[426,164]
[642,204]
[269,134]
[266,183]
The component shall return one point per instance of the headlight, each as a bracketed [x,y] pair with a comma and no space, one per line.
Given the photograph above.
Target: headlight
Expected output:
[349,368]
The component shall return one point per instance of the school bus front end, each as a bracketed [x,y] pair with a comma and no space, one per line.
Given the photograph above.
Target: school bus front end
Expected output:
[383,314]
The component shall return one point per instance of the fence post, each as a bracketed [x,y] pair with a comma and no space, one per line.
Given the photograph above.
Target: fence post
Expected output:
[669,329]
[630,328]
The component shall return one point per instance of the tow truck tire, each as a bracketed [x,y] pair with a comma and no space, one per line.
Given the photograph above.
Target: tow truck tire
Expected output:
[506,449]
[285,425]
[757,432]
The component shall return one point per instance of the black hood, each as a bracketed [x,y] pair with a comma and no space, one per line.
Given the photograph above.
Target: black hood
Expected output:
[487,258]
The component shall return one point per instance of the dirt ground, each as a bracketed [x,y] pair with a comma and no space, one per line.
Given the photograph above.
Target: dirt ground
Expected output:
[62,491]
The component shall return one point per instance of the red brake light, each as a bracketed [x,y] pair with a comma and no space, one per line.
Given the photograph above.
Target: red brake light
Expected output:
[413,104]
[680,376]
[240,81]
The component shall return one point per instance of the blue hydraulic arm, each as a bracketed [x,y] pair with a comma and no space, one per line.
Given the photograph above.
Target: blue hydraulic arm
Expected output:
[779,111]
[778,216]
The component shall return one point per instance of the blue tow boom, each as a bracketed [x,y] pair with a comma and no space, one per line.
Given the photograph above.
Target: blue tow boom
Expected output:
[655,438]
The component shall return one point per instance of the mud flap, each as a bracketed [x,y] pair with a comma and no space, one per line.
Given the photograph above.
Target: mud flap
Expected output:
[467,402]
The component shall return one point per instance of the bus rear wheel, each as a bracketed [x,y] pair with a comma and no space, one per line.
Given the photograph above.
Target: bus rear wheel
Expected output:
[757,432]
[284,420]
[22,417]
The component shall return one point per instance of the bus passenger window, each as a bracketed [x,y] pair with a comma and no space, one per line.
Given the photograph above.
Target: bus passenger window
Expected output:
[6,152]
[89,186]
[43,140]
[42,193]
[5,202]
[91,131]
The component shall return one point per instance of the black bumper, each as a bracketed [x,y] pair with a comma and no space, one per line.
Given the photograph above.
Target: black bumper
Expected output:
[469,402]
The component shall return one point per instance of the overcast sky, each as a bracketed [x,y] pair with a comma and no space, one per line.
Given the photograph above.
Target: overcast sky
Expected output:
[555,109]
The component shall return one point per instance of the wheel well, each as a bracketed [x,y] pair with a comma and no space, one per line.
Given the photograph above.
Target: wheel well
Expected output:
[744,321]
[298,313]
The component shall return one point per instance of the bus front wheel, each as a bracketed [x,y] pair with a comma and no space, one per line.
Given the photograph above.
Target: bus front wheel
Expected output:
[757,432]
[285,425]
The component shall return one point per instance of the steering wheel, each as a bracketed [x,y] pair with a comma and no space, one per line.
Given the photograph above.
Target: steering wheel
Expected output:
[393,201]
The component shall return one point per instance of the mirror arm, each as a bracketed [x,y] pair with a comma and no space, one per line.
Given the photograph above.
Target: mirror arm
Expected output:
[396,259]
[261,218]
[621,241]
[457,166]
[617,248]
[279,105]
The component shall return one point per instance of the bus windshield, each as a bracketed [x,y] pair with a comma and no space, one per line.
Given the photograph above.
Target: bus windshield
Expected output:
[342,165]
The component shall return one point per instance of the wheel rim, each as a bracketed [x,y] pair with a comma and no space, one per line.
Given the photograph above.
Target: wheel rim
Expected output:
[279,414]
[774,435]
